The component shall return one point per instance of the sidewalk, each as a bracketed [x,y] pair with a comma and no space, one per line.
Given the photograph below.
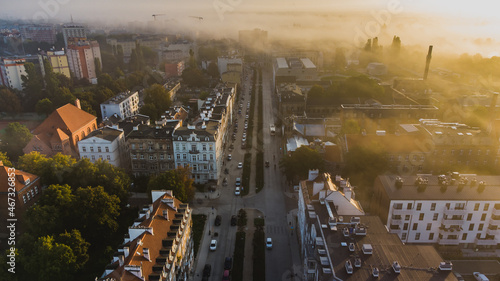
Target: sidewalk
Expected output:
[205,238]
[294,244]
[249,230]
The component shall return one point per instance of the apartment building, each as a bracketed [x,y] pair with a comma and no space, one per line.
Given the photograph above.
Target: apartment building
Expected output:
[82,57]
[338,242]
[158,246]
[151,148]
[72,30]
[39,33]
[57,59]
[11,71]
[124,105]
[107,144]
[455,209]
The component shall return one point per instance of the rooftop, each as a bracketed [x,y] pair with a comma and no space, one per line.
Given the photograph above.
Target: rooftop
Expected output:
[120,97]
[21,179]
[106,133]
[463,187]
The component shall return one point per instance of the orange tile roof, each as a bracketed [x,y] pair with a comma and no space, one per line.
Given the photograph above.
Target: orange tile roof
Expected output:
[153,242]
[4,175]
[68,118]
[59,136]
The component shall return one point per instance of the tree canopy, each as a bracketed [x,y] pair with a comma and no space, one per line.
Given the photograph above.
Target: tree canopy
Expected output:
[157,100]
[14,139]
[178,180]
[302,160]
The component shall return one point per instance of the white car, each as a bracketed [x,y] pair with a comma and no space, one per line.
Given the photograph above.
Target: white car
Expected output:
[246,117]
[213,245]
[269,243]
[229,157]
[244,139]
[237,191]
[240,165]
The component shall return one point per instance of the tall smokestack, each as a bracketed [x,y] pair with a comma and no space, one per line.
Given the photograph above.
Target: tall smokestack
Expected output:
[428,62]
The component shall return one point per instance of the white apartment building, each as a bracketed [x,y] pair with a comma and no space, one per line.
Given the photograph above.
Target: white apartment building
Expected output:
[222,63]
[107,144]
[11,71]
[199,147]
[124,105]
[455,209]
[82,56]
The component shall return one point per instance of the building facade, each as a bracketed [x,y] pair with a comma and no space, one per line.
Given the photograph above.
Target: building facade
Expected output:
[107,144]
[158,246]
[457,209]
[39,33]
[73,31]
[151,148]
[82,57]
[124,105]
[57,59]
[11,71]
[174,69]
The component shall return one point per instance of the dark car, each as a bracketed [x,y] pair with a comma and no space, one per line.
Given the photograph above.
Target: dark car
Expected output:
[228,263]
[218,219]
[234,220]
[225,275]
[267,164]
[206,270]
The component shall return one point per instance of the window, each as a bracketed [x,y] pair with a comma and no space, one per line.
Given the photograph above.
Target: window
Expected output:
[32,194]
[134,156]
[403,236]
[460,206]
[464,236]
[486,207]
[140,146]
[419,206]
[28,194]
[407,217]
[93,157]
[433,206]
[476,207]
[431,236]
[415,226]
[405,226]
[483,217]
[107,149]
[184,156]
[469,217]
[36,189]
[178,157]
[151,157]
[435,217]
[410,206]
[211,157]
[84,149]
[471,227]
[480,227]
[133,146]
[417,236]
[421,217]
[161,156]
[204,147]
[204,157]
[448,206]
[429,225]
[142,156]
[108,157]
[91,149]
[24,198]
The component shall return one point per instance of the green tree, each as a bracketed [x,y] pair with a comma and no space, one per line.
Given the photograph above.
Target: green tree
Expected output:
[62,96]
[32,86]
[44,107]
[15,138]
[33,162]
[97,212]
[158,96]
[194,77]
[98,70]
[9,102]
[204,95]
[50,261]
[178,180]
[77,244]
[150,110]
[350,126]
[364,164]
[302,160]
[50,79]
[316,94]
[5,159]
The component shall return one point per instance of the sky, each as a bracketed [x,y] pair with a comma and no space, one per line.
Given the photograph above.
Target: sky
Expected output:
[462,26]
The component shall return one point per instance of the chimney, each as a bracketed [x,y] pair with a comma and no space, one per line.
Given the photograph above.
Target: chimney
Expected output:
[1,163]
[121,260]
[313,174]
[77,104]
[428,62]
[145,253]
[165,214]
[126,251]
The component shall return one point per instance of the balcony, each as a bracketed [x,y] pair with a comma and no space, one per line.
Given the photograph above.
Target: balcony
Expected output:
[396,229]
[444,241]
[495,221]
[491,231]
[485,242]
[194,151]
[402,212]
[397,221]
[495,212]
[455,212]
[452,221]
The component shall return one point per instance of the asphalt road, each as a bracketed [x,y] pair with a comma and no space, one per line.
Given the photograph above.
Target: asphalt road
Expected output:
[271,200]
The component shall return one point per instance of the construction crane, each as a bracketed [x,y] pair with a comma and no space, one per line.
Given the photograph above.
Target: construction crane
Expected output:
[200,18]
[157,15]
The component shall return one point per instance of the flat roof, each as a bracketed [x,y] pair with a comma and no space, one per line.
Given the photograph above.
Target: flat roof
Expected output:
[120,98]
[307,63]
[433,191]
[281,63]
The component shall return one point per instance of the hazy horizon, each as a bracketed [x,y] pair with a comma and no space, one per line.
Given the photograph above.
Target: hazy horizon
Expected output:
[451,26]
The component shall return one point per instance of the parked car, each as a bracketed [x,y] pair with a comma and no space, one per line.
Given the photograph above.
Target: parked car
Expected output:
[238,181]
[225,276]
[240,165]
[267,164]
[234,220]
[269,243]
[213,245]
[229,157]
[218,220]
[237,191]
[228,263]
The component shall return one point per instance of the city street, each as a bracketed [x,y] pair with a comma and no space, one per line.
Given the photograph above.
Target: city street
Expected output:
[283,261]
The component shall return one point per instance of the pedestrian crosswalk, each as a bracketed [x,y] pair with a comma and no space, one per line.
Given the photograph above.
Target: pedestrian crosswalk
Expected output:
[275,229]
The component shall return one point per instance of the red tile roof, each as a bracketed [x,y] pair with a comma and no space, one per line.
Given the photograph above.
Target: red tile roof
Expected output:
[68,118]
[20,176]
